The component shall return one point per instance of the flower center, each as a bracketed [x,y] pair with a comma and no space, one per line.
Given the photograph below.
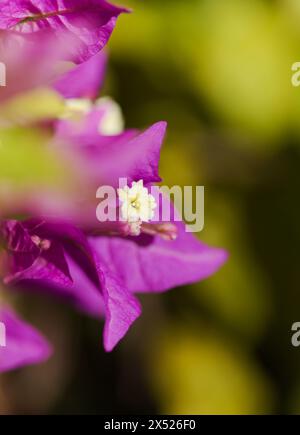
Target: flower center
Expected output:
[137,205]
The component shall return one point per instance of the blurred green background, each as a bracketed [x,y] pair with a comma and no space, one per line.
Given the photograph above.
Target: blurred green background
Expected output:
[219,71]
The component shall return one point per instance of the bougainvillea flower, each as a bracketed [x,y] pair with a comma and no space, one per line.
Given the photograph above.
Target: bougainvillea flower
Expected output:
[97,266]
[22,344]
[29,256]
[163,256]
[91,22]
[152,264]
[130,154]
[57,258]
[101,274]
[39,256]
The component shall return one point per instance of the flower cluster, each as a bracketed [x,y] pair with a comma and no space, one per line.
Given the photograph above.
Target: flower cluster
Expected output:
[60,247]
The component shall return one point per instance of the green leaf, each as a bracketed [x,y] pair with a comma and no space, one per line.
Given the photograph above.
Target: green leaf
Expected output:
[34,106]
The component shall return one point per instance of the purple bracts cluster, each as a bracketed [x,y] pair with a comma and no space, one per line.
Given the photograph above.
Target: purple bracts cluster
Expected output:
[99,273]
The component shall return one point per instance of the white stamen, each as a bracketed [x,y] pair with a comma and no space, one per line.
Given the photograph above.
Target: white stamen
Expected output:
[138,205]
[76,108]
[112,122]
[43,244]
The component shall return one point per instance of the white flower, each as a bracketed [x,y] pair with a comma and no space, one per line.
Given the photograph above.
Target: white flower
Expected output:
[137,205]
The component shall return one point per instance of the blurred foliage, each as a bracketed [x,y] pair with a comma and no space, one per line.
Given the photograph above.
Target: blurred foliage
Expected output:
[244,307]
[26,160]
[31,107]
[205,374]
[235,56]
[31,169]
